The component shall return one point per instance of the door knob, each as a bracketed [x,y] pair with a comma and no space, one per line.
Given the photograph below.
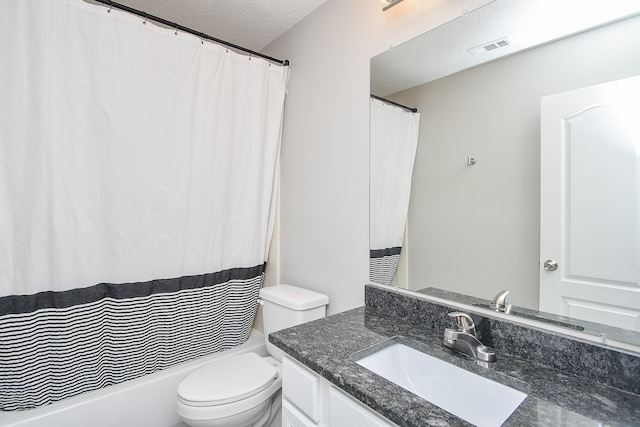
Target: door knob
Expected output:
[550,265]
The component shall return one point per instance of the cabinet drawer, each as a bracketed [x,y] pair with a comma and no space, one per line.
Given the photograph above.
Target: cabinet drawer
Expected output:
[301,387]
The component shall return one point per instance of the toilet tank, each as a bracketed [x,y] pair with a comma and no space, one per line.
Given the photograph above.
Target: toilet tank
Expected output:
[286,306]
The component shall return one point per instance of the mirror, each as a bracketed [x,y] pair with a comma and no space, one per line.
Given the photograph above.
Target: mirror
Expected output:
[473,225]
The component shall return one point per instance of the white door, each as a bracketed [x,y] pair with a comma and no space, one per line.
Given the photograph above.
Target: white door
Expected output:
[589,204]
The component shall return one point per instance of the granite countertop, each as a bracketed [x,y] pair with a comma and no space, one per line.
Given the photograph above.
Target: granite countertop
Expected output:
[554,398]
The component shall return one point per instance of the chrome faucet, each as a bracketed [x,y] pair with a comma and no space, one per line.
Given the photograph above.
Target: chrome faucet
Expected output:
[464,340]
[499,303]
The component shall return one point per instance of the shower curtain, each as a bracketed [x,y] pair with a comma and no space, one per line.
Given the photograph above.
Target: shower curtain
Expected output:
[138,169]
[393,140]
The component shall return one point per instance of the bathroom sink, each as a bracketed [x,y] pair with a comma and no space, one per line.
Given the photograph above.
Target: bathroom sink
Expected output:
[473,398]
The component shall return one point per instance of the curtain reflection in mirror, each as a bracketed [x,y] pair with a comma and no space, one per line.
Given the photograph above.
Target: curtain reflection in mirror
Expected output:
[393,143]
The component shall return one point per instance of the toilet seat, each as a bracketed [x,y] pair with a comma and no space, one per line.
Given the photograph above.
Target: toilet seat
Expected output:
[224,403]
[228,380]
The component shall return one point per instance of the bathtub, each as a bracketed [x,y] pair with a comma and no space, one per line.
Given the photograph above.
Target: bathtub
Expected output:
[148,401]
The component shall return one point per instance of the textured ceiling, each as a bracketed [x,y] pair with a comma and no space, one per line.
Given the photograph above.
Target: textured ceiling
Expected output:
[450,47]
[252,24]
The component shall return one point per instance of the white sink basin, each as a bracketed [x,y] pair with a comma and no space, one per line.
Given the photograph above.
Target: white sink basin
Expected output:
[475,399]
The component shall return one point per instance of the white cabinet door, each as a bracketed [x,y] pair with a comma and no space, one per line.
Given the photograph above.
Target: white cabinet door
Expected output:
[590,198]
[292,417]
[346,411]
[301,387]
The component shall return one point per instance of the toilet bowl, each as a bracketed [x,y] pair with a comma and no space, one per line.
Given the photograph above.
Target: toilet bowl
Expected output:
[244,390]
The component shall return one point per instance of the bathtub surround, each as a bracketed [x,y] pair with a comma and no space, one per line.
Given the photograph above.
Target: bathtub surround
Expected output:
[137,196]
[555,396]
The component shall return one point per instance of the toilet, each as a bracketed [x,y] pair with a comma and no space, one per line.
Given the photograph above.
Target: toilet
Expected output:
[244,390]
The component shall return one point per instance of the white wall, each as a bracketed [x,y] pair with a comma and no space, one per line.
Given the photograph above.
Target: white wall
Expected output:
[324,201]
[475,229]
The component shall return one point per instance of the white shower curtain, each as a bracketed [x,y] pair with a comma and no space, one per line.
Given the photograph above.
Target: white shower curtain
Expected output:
[138,170]
[393,140]
[129,152]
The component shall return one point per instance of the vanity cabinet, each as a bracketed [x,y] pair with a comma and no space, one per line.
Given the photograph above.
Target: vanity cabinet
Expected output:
[309,400]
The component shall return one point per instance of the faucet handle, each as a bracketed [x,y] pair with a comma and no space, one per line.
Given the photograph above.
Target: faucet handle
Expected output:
[499,302]
[464,322]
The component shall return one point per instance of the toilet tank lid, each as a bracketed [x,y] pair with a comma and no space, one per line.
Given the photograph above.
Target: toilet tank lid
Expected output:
[293,297]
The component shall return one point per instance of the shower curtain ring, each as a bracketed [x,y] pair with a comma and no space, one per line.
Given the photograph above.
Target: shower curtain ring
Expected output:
[176,30]
[110,7]
[145,19]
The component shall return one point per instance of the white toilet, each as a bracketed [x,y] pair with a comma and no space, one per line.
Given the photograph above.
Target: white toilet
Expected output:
[244,390]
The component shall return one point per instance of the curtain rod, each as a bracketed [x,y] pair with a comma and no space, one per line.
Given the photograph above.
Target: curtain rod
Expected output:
[413,110]
[179,27]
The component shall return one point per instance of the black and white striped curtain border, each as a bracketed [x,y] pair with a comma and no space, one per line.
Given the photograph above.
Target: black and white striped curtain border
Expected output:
[379,253]
[383,264]
[55,353]
[16,304]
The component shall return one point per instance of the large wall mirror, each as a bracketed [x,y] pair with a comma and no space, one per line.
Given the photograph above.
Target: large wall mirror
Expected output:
[479,84]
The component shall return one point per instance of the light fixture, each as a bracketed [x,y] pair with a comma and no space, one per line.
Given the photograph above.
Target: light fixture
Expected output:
[389,3]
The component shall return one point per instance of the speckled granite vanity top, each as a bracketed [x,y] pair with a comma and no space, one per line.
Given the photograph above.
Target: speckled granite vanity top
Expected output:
[555,397]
